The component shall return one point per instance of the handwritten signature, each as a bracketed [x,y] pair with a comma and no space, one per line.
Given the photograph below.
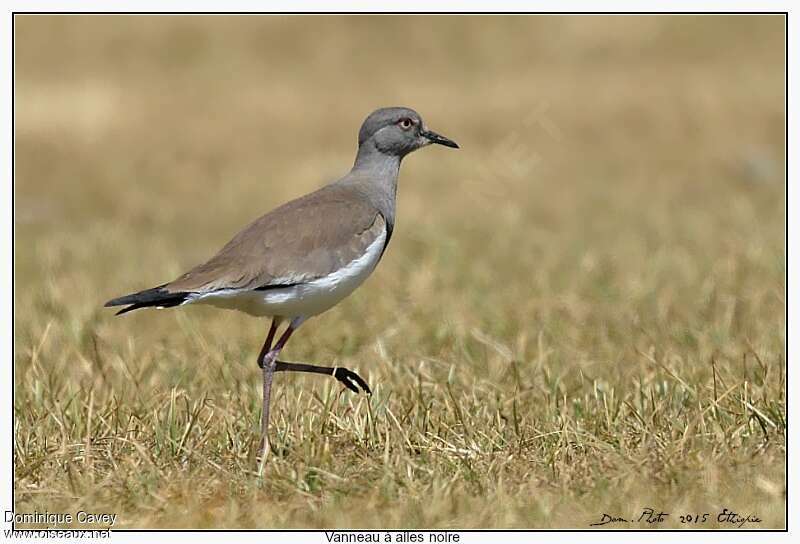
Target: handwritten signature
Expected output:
[651,516]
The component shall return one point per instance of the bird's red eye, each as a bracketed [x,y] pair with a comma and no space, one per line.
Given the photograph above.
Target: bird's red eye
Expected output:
[405,123]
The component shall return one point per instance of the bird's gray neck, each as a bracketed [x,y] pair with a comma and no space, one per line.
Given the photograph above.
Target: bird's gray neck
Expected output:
[378,172]
[373,161]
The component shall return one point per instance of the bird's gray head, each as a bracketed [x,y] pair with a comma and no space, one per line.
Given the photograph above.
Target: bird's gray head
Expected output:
[398,131]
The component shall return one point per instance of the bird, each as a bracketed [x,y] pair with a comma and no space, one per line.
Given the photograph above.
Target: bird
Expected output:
[305,256]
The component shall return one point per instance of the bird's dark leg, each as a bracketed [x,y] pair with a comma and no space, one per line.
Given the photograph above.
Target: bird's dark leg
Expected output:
[349,378]
[268,342]
[268,366]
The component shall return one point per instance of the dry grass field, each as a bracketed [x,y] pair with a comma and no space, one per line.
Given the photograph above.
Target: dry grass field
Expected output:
[581,311]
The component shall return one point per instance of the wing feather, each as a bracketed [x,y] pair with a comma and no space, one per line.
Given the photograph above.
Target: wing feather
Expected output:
[303,240]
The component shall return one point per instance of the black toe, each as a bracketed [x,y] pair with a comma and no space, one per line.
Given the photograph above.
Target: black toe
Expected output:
[347,377]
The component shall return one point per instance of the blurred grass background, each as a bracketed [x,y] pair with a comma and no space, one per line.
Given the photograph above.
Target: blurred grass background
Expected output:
[581,311]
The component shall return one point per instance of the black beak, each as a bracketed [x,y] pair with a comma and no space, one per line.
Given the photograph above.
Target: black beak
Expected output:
[434,138]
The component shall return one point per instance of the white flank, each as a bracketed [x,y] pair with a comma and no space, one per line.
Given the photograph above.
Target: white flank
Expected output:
[306,299]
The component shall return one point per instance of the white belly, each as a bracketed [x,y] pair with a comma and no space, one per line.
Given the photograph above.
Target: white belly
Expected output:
[306,299]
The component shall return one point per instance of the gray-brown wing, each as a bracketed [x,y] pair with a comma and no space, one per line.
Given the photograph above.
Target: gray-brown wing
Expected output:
[302,240]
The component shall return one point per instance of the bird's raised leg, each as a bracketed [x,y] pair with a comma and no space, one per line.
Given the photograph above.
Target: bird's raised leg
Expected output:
[268,366]
[350,379]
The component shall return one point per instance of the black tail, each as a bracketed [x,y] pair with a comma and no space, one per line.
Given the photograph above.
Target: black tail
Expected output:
[157,296]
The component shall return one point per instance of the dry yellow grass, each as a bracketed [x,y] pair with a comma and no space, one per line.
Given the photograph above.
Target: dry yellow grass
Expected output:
[582,311]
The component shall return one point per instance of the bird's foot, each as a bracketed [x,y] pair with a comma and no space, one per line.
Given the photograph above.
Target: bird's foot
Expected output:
[351,380]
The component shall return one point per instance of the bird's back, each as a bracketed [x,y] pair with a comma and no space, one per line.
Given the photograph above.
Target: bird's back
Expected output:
[305,239]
